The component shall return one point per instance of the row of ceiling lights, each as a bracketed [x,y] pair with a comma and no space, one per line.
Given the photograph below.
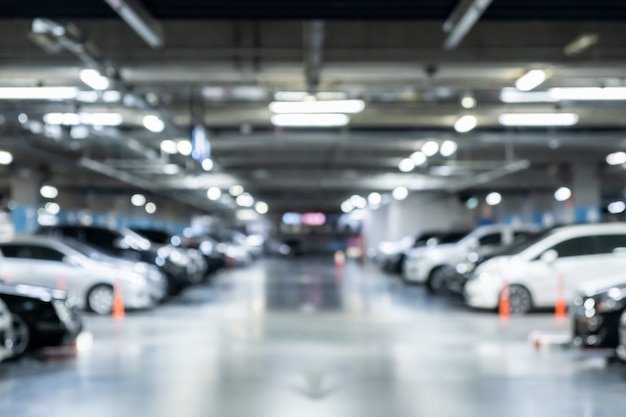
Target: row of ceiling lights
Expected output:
[429,148]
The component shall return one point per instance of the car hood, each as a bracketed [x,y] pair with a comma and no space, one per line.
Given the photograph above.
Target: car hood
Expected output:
[600,286]
[29,291]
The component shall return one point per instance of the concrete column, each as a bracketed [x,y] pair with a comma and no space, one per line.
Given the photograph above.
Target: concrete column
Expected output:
[25,186]
[586,192]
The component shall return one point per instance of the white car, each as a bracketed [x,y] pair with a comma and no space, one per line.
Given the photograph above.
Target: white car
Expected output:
[49,262]
[6,332]
[565,257]
[424,265]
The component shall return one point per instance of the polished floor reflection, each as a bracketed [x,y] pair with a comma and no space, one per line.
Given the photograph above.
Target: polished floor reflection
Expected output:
[297,337]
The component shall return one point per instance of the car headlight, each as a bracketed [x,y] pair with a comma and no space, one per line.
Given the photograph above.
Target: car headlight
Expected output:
[613,300]
[465,267]
[178,258]
[63,311]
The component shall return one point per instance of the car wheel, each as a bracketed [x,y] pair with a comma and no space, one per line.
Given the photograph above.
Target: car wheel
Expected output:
[100,299]
[436,282]
[520,301]
[21,336]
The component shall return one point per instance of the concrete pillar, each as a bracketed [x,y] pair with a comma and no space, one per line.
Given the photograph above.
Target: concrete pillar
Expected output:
[586,192]
[25,185]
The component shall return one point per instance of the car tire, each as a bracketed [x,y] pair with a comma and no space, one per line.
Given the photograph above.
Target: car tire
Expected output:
[520,300]
[436,282]
[21,336]
[100,299]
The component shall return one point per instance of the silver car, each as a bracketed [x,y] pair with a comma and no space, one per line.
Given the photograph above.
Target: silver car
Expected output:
[6,332]
[49,262]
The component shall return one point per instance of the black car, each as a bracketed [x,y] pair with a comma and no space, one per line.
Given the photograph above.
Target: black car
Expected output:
[41,317]
[597,317]
[127,244]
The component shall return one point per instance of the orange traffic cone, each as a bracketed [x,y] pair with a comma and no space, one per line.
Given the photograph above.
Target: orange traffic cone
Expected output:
[118,302]
[505,304]
[560,309]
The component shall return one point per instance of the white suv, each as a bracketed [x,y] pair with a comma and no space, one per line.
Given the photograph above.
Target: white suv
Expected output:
[577,255]
[425,265]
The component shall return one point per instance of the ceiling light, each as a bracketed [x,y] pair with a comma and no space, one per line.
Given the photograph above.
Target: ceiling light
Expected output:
[538,119]
[374,199]
[89,96]
[169,146]
[616,207]
[138,200]
[67,119]
[588,93]
[153,123]
[448,148]
[418,158]
[261,207]
[5,158]
[290,95]
[38,93]
[52,208]
[235,190]
[400,193]
[562,194]
[347,206]
[214,193]
[111,96]
[406,165]
[207,164]
[330,106]
[184,147]
[73,119]
[150,208]
[493,199]
[581,43]
[471,203]
[331,95]
[530,80]
[513,95]
[358,201]
[468,102]
[79,132]
[94,79]
[48,191]
[171,169]
[616,158]
[310,120]
[245,200]
[465,123]
[430,148]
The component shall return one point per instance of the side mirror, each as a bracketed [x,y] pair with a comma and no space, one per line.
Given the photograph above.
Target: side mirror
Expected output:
[549,257]
[70,260]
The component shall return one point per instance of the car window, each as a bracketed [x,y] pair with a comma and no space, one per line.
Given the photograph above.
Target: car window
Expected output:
[15,251]
[519,236]
[578,246]
[491,239]
[608,243]
[44,253]
[101,237]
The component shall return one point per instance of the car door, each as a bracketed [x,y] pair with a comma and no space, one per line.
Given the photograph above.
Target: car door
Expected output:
[611,256]
[577,262]
[16,266]
[48,265]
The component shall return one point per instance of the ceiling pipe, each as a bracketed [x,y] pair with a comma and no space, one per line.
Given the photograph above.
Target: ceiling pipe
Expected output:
[462,20]
[314,42]
[140,20]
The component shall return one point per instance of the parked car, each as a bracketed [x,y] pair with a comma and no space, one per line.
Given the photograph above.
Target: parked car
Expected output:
[40,316]
[427,265]
[206,246]
[621,347]
[127,244]
[392,255]
[48,262]
[597,311]
[6,332]
[575,255]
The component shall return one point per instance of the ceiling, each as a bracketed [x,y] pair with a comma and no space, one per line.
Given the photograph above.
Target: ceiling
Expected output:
[223,73]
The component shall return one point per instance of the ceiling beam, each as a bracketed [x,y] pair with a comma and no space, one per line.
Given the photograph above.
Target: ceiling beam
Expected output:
[462,19]
[140,20]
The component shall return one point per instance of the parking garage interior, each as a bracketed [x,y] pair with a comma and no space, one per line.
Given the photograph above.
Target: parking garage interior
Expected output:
[356,208]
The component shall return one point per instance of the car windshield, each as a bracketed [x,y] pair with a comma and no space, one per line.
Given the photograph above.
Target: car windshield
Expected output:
[521,246]
[86,250]
[156,236]
[453,237]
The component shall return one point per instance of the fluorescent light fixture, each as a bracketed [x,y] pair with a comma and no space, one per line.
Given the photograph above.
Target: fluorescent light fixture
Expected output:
[406,165]
[531,80]
[49,191]
[184,147]
[331,95]
[94,79]
[493,199]
[538,119]
[52,208]
[5,158]
[418,158]
[150,208]
[430,148]
[261,207]
[465,124]
[79,132]
[616,207]
[235,190]
[448,148]
[468,102]
[347,206]
[616,158]
[139,19]
[562,194]
[87,96]
[292,219]
[246,215]
[153,123]
[290,95]
[245,200]
[374,199]
[588,93]
[400,193]
[310,120]
[138,200]
[214,193]
[581,43]
[111,96]
[38,93]
[330,106]
[171,169]
[207,164]
[169,146]
[513,95]
[73,119]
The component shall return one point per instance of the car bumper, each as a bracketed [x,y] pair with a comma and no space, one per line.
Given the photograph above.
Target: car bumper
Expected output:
[139,299]
[481,295]
[414,271]
[599,331]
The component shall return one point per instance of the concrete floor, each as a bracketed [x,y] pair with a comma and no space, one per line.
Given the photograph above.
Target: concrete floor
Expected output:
[294,338]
